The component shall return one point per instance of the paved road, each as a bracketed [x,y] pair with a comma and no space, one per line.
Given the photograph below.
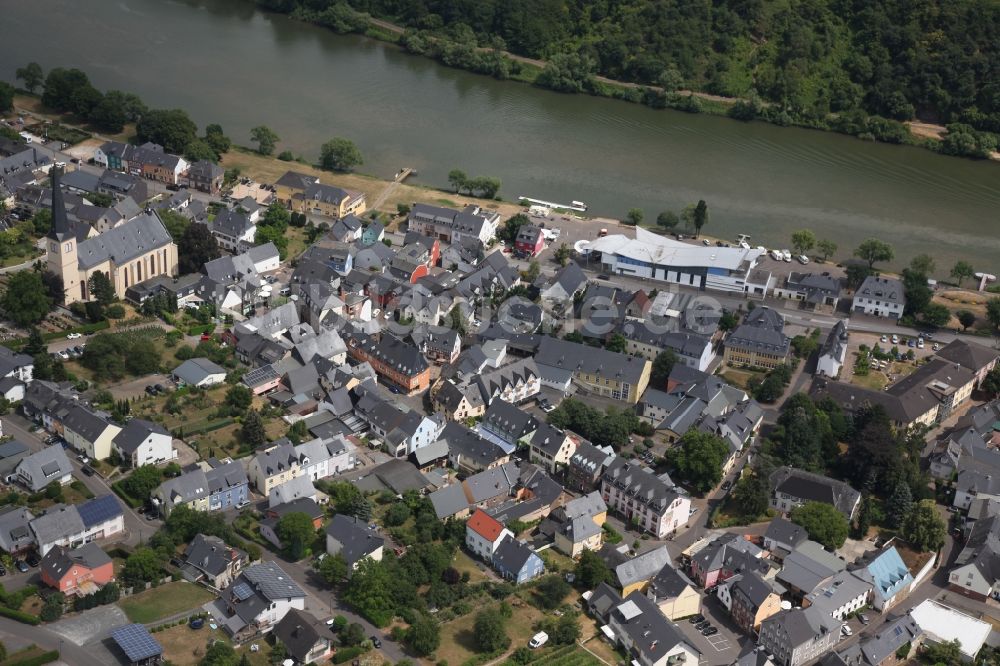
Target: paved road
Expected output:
[49,640]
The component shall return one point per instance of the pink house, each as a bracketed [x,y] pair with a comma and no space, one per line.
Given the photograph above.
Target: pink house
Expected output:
[725,557]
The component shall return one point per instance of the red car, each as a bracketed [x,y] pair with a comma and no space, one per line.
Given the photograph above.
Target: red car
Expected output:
[205,337]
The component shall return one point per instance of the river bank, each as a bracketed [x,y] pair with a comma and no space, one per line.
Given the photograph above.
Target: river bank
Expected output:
[527,70]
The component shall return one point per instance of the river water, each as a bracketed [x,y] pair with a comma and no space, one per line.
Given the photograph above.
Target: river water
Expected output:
[225,62]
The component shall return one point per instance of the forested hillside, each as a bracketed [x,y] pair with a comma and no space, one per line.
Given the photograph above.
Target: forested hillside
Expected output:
[937,60]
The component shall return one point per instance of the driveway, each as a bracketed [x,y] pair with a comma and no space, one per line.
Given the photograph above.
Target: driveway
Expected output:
[723,647]
[137,387]
[91,625]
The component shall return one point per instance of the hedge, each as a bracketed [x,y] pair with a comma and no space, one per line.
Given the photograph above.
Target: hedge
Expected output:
[346,654]
[128,499]
[37,660]
[26,618]
[206,427]
[198,329]
[86,329]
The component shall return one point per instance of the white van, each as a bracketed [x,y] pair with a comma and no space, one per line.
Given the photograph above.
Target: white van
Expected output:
[538,640]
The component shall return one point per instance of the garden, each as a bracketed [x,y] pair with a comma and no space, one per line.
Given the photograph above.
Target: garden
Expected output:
[161,602]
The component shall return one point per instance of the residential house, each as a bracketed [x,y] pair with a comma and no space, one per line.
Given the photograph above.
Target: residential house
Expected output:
[299,487]
[814,291]
[649,341]
[894,643]
[530,241]
[151,162]
[75,525]
[807,568]
[635,574]
[723,558]
[439,343]
[792,487]
[189,489]
[516,562]
[228,486]
[600,372]
[452,226]
[403,432]
[306,640]
[587,465]
[347,229]
[976,571]
[80,571]
[331,201]
[798,636]
[483,535]
[143,442]
[753,601]
[759,341]
[468,452]
[833,353]
[16,366]
[274,514]
[274,466]
[674,593]
[112,155]
[844,594]
[12,452]
[353,539]
[16,536]
[647,636]
[233,230]
[87,431]
[880,297]
[506,425]
[891,580]
[211,560]
[782,537]
[48,465]
[976,358]
[320,458]
[256,601]
[551,447]
[204,176]
[399,364]
[558,293]
[943,624]
[651,502]
[291,187]
[457,402]
[199,372]
[579,524]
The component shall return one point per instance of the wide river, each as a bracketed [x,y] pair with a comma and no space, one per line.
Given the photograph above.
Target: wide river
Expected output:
[225,62]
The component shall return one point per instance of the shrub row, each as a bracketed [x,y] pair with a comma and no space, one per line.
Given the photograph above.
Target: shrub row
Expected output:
[26,618]
[37,660]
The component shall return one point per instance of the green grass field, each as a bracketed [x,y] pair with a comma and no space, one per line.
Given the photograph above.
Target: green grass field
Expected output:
[163,601]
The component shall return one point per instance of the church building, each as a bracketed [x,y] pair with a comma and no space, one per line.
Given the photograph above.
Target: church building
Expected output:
[128,253]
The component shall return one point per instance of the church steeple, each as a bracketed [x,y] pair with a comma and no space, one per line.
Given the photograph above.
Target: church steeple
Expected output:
[60,225]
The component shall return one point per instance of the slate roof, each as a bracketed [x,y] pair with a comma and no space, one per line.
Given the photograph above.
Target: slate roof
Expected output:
[59,560]
[125,242]
[815,488]
[575,357]
[668,583]
[512,555]
[299,632]
[882,289]
[548,439]
[45,466]
[276,460]
[786,532]
[211,554]
[185,488]
[56,523]
[761,331]
[195,370]
[646,487]
[468,444]
[969,355]
[136,432]
[649,631]
[224,476]
[85,422]
[642,567]
[449,500]
[15,530]
[357,540]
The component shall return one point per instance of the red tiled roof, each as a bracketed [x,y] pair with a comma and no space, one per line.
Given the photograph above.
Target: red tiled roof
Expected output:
[485,526]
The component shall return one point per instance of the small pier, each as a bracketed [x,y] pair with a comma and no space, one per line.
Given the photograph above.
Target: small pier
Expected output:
[577,206]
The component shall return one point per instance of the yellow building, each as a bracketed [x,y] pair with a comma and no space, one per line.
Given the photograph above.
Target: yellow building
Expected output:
[598,371]
[305,194]
[759,342]
[129,253]
[674,594]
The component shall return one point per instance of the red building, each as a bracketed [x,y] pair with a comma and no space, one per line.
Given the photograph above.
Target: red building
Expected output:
[80,571]
[529,242]
[401,365]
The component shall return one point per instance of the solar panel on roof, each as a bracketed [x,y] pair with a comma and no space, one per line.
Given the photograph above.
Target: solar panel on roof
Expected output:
[242,591]
[136,642]
[99,510]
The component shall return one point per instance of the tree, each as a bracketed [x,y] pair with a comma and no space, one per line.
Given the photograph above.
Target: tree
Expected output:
[196,247]
[534,270]
[171,128]
[6,100]
[296,532]
[634,216]
[563,254]
[265,137]
[826,248]
[663,365]
[298,432]
[60,86]
[35,344]
[591,570]
[991,383]
[898,506]
[512,226]
[370,590]
[26,300]
[277,653]
[948,653]
[53,608]
[423,636]
[751,495]
[397,514]
[803,241]
[700,217]
[101,288]
[31,76]
[217,139]
[457,179]
[333,568]
[823,523]
[993,311]
[143,565]
[568,73]
[936,314]
[352,634]
[252,433]
[198,149]
[339,154]
[856,274]
[698,458]
[962,270]
[266,234]
[141,483]
[490,631]
[616,343]
[667,219]
[923,264]
[923,528]
[966,319]
[220,653]
[238,398]
[874,251]
[728,321]
[551,591]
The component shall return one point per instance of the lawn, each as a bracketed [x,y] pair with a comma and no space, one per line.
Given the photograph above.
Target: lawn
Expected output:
[465,564]
[163,601]
[184,646]
[564,655]
[458,640]
[739,377]
[556,562]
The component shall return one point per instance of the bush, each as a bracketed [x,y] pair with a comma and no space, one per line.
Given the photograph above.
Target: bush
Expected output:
[347,654]
[115,311]
[37,660]
[26,618]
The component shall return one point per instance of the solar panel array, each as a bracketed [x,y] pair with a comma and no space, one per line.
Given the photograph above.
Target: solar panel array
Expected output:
[99,510]
[242,591]
[136,642]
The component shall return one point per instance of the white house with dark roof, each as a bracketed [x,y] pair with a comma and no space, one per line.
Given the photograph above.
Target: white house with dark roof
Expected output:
[794,487]
[833,353]
[759,341]
[15,530]
[637,494]
[645,634]
[256,601]
[880,297]
[75,525]
[200,372]
[87,431]
[273,467]
[551,447]
[353,539]
[49,465]
[143,442]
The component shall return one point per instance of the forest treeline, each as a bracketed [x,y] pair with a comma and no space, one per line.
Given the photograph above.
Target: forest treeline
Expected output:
[936,60]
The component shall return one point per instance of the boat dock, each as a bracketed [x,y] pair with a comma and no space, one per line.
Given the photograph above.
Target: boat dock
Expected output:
[577,206]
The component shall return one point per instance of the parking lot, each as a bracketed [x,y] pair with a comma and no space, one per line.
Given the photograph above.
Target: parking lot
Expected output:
[723,647]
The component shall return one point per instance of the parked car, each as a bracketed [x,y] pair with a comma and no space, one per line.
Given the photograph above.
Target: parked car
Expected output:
[701,625]
[73,336]
[863,618]
[884,338]
[846,630]
[895,339]
[151,390]
[83,458]
[87,470]
[205,337]
[3,570]
[786,255]
[695,619]
[33,560]
[920,343]
[22,566]
[377,642]
[802,259]
[709,631]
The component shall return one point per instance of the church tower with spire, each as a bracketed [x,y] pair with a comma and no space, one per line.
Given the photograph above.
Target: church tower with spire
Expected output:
[62,250]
